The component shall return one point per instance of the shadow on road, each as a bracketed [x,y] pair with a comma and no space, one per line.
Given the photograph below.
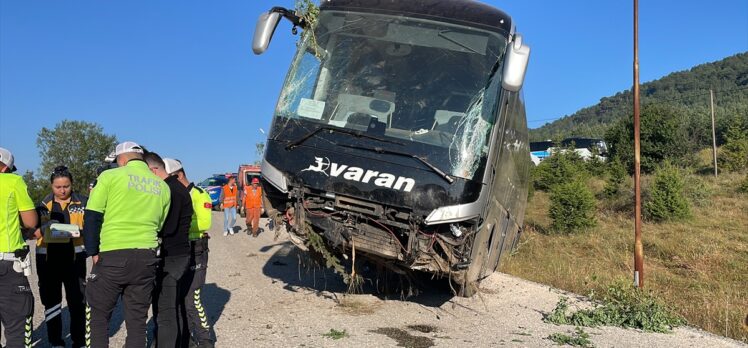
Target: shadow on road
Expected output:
[39,336]
[214,299]
[290,265]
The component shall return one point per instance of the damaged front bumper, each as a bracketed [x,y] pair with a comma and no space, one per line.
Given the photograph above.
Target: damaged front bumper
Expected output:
[396,237]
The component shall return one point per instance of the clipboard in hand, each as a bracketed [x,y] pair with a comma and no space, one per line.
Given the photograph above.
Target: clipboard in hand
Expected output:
[61,233]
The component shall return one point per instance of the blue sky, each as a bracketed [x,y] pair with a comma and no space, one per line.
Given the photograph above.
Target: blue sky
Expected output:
[180,78]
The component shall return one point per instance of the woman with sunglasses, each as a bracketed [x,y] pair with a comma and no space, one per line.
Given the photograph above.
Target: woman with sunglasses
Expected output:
[61,261]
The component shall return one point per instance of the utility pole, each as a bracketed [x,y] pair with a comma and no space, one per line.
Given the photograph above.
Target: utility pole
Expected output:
[714,134]
[638,246]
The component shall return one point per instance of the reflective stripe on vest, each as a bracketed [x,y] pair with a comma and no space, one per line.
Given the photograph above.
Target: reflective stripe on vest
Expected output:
[77,248]
[229,196]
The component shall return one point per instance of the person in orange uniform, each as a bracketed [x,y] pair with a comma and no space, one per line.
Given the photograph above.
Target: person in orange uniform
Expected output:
[229,202]
[253,205]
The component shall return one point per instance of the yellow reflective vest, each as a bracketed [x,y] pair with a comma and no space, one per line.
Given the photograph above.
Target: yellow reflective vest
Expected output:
[202,205]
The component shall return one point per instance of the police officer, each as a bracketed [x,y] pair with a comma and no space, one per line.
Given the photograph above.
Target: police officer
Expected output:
[126,210]
[171,281]
[16,299]
[201,221]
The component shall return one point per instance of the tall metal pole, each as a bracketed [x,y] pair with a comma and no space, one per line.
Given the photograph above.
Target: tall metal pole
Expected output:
[638,246]
[714,134]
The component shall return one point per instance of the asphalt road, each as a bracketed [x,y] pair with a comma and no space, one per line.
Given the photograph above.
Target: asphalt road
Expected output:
[259,294]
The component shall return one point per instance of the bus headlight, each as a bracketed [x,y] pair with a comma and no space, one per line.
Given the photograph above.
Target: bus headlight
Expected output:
[456,230]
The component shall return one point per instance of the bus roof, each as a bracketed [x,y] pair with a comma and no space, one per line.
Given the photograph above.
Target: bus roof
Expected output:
[464,12]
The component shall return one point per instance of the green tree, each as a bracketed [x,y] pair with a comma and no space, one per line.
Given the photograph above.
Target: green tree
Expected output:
[79,145]
[595,165]
[687,90]
[666,199]
[734,154]
[616,177]
[563,165]
[37,187]
[572,207]
[662,137]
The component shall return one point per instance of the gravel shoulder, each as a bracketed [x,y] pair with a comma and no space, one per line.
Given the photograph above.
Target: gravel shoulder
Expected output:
[257,295]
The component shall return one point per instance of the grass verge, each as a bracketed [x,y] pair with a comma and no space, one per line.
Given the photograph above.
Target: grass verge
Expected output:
[698,267]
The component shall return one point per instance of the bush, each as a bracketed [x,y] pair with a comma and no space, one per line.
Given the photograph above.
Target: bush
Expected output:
[744,186]
[663,136]
[572,207]
[666,197]
[696,190]
[562,166]
[595,164]
[531,187]
[734,154]
[616,177]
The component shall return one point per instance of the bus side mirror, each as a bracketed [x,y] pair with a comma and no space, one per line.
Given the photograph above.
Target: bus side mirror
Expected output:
[264,30]
[515,64]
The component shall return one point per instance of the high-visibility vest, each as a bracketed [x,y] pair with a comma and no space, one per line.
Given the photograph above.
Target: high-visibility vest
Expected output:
[14,198]
[252,197]
[229,196]
[75,210]
[134,202]
[201,207]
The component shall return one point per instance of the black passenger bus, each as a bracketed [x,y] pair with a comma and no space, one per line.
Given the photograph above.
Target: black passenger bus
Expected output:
[401,129]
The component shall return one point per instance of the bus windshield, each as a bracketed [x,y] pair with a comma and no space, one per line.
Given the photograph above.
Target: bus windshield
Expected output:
[413,80]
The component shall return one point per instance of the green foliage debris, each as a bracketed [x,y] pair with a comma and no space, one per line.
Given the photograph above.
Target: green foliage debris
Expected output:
[622,306]
[317,243]
[335,334]
[577,339]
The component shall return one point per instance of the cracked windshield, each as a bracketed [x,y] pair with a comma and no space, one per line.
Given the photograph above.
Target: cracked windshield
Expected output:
[364,72]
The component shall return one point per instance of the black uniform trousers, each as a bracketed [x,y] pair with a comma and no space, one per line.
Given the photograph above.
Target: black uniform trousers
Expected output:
[198,319]
[56,270]
[168,300]
[16,306]
[129,273]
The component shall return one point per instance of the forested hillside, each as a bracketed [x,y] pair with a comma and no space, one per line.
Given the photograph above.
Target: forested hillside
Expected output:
[685,91]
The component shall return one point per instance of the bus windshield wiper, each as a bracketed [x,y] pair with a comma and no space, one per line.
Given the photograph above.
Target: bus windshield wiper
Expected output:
[297,142]
[436,170]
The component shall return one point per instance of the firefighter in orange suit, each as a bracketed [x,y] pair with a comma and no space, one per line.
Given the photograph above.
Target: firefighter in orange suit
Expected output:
[253,205]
